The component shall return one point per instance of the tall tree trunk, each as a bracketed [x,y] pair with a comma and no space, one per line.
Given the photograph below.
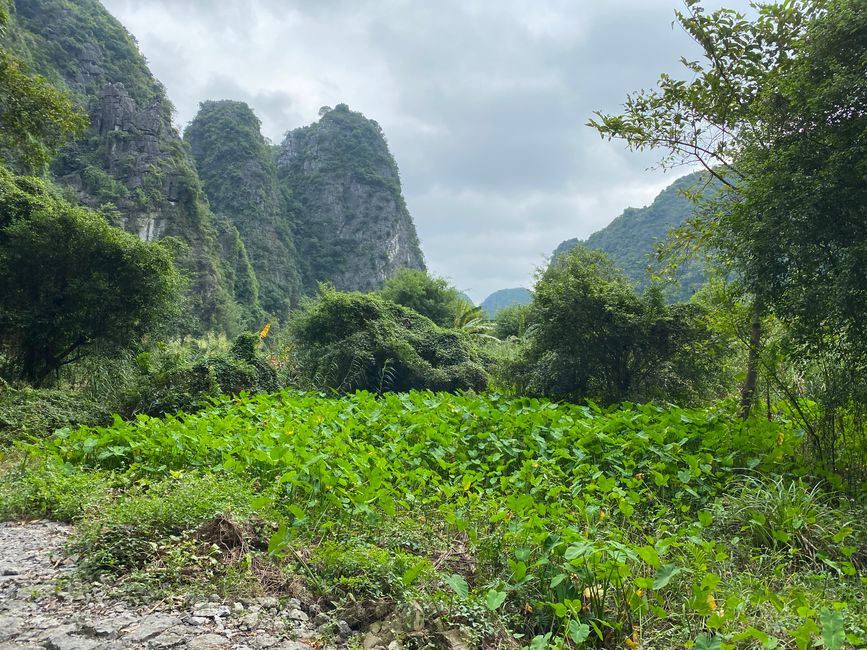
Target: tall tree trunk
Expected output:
[748,389]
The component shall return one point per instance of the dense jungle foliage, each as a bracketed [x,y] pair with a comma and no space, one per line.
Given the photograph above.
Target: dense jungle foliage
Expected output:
[598,468]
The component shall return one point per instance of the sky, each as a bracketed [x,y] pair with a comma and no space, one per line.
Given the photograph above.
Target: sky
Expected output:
[484,104]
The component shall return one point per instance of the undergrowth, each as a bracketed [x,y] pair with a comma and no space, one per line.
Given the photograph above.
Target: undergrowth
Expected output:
[512,522]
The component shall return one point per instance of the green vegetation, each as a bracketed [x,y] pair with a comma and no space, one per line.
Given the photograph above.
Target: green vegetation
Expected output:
[774,112]
[130,161]
[633,238]
[69,280]
[594,337]
[342,190]
[426,295]
[563,524]
[485,516]
[349,341]
[240,179]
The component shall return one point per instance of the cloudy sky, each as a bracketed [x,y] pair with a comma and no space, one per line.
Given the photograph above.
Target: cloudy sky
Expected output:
[483,103]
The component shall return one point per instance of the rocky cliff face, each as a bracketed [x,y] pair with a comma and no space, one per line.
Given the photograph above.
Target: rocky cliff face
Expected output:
[240,180]
[132,164]
[351,222]
[324,206]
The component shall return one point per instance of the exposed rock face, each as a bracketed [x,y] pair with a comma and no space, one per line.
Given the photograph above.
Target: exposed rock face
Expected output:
[352,225]
[132,158]
[240,180]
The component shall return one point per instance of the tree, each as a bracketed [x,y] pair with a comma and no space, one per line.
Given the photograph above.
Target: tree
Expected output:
[69,280]
[776,112]
[594,337]
[429,296]
[349,341]
[512,321]
[35,117]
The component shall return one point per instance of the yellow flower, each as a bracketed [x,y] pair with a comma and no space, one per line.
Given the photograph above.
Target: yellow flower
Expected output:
[639,592]
[780,438]
[601,515]
[264,331]
[630,643]
[711,602]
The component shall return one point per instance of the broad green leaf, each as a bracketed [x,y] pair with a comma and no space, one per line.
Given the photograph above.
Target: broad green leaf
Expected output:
[494,598]
[705,642]
[458,584]
[578,632]
[833,629]
[665,574]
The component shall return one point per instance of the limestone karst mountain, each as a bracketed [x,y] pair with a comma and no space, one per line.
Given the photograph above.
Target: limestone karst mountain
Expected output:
[255,225]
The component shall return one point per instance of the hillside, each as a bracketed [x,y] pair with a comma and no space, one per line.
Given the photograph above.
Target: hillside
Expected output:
[132,164]
[260,225]
[506,298]
[631,238]
[351,221]
[239,177]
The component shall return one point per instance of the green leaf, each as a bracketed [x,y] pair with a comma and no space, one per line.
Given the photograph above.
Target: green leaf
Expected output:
[494,598]
[705,642]
[649,555]
[458,584]
[578,632]
[665,574]
[833,629]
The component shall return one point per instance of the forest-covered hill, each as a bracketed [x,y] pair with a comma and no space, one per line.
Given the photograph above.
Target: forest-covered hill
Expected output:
[506,298]
[250,237]
[631,238]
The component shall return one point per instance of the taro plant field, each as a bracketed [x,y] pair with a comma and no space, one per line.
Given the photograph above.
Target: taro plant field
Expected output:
[501,523]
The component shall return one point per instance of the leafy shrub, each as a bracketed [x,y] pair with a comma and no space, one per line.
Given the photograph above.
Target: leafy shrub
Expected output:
[29,412]
[512,321]
[350,341]
[793,517]
[51,489]
[595,338]
[180,377]
[122,535]
[429,296]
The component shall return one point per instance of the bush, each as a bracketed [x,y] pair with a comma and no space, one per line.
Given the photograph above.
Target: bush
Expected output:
[512,321]
[431,297]
[595,338]
[792,517]
[29,412]
[51,489]
[350,341]
[177,377]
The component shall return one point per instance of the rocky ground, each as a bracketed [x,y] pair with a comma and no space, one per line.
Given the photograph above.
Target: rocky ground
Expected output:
[36,612]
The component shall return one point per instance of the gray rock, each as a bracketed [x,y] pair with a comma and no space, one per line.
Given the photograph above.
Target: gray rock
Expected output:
[67,642]
[297,615]
[10,626]
[454,640]
[150,626]
[208,642]
[211,611]
[268,602]
[343,629]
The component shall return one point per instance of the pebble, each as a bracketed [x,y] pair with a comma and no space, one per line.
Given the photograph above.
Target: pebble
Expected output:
[34,615]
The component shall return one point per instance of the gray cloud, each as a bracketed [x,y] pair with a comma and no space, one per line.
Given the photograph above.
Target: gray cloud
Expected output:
[483,103]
